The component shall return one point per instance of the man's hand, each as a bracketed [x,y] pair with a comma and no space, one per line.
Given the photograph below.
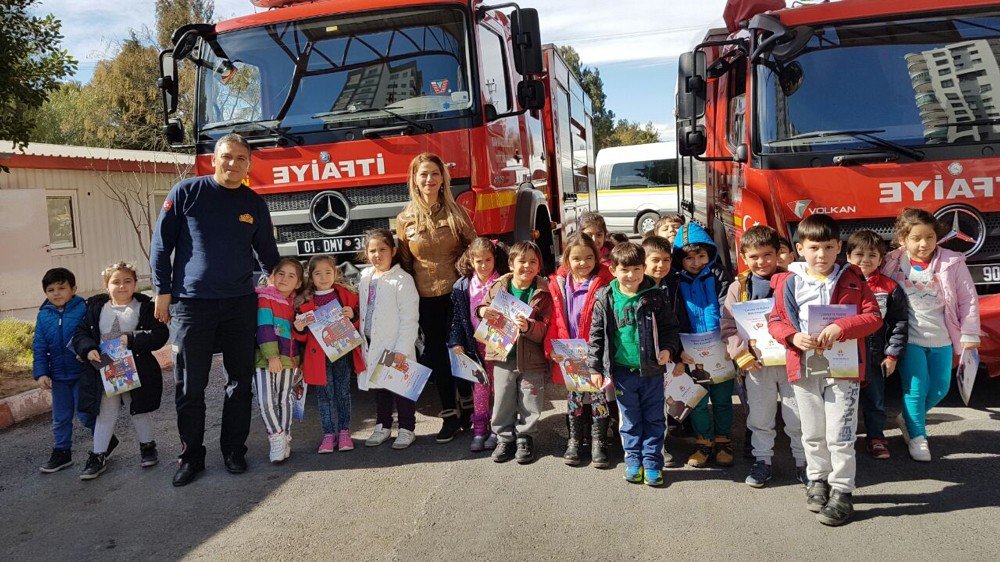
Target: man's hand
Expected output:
[890,366]
[45,382]
[161,308]
[804,341]
[274,365]
[829,336]
[664,357]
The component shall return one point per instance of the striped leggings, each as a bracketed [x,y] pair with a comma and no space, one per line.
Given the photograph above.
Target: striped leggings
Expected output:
[274,396]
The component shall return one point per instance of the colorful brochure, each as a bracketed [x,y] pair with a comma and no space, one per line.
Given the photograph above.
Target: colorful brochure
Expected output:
[572,355]
[839,362]
[499,334]
[465,367]
[711,365]
[682,394]
[299,388]
[397,373]
[335,334]
[117,368]
[751,325]
[968,367]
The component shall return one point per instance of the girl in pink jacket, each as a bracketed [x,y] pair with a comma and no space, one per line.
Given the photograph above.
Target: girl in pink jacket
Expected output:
[943,319]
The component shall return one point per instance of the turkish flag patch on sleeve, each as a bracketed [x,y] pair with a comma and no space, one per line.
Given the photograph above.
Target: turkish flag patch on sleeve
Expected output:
[168,204]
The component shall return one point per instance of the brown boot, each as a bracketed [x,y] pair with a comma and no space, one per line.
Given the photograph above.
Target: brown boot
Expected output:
[723,451]
[702,451]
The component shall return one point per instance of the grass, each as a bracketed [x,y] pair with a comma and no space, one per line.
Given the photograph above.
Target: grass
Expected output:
[15,345]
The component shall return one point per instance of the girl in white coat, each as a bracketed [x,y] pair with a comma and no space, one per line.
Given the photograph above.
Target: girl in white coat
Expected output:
[389,315]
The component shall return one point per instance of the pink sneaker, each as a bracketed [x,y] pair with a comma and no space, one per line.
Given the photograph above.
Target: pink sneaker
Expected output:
[345,443]
[327,445]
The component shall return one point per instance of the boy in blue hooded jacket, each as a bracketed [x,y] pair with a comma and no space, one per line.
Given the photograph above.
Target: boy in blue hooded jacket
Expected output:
[700,287]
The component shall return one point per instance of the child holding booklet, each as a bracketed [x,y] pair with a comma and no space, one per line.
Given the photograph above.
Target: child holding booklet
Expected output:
[480,265]
[389,313]
[574,288]
[943,319]
[331,379]
[519,376]
[120,313]
[700,288]
[764,384]
[828,407]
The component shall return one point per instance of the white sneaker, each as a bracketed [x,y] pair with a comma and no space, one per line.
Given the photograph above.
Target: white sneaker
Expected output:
[288,444]
[278,444]
[919,450]
[901,423]
[404,439]
[379,436]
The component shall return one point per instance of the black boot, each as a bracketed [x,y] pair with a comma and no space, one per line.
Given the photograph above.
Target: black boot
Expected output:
[572,455]
[587,415]
[599,443]
[466,409]
[838,509]
[451,424]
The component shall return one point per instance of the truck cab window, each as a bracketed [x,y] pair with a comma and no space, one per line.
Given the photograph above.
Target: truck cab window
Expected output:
[494,78]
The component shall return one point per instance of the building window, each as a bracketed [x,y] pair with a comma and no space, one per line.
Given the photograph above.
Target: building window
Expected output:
[62,222]
[947,83]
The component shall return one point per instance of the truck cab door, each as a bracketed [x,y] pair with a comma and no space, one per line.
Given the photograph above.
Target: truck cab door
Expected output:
[505,144]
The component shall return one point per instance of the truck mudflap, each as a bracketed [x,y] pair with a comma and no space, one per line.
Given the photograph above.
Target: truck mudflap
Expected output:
[989,316]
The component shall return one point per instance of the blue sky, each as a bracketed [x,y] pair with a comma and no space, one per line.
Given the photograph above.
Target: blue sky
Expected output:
[634,43]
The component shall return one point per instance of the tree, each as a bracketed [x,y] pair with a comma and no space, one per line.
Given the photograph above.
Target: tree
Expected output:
[590,78]
[628,133]
[31,66]
[172,14]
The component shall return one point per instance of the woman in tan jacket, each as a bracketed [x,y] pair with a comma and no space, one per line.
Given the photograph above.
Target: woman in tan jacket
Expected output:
[433,233]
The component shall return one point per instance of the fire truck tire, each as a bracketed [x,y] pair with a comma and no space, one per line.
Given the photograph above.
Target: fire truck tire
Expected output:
[645,222]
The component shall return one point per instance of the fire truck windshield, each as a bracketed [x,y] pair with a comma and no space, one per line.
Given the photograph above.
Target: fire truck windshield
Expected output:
[917,83]
[322,74]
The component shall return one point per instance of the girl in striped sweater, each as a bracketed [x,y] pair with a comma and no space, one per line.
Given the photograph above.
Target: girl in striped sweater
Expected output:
[277,354]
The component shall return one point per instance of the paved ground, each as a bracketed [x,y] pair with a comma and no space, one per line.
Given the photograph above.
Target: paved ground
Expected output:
[434,501]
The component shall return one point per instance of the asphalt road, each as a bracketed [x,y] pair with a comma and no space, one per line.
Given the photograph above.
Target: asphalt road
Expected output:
[434,502]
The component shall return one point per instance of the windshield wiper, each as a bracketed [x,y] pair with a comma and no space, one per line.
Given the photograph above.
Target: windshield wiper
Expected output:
[246,126]
[398,116]
[864,135]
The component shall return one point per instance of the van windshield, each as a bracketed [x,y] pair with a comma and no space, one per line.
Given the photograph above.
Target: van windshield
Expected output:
[918,82]
[640,175]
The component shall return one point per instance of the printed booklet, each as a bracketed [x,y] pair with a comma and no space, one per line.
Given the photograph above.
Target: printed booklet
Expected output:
[573,364]
[500,333]
[299,388]
[751,325]
[839,362]
[710,362]
[117,368]
[682,395]
[395,372]
[968,367]
[335,334]
[465,367]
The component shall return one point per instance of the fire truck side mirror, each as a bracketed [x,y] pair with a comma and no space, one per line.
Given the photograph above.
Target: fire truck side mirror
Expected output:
[527,41]
[167,82]
[691,86]
[691,140]
[531,94]
[173,132]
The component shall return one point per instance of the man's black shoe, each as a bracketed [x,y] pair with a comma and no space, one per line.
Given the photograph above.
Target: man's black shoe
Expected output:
[236,463]
[186,473]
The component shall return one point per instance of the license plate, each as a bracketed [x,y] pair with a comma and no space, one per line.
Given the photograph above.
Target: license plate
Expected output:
[331,245]
[985,274]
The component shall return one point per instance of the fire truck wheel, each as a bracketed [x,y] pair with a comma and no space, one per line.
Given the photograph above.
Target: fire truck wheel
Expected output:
[645,222]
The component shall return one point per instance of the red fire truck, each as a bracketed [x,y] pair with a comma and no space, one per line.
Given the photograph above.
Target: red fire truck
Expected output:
[855,109]
[337,97]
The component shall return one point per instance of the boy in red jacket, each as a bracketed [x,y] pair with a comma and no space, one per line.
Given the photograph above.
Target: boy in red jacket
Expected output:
[828,407]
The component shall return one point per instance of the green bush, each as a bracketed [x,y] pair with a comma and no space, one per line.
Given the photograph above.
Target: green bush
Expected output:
[15,344]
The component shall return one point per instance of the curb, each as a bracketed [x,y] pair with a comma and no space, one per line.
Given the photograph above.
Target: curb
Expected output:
[30,403]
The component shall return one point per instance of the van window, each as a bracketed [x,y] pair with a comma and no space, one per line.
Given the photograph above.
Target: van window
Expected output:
[646,174]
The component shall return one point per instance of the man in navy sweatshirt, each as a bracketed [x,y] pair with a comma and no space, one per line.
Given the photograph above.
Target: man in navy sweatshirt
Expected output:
[212,226]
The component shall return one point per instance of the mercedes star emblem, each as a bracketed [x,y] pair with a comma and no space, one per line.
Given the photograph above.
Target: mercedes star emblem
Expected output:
[966,229]
[330,213]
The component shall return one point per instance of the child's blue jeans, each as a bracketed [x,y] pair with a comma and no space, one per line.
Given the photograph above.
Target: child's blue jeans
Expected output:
[640,400]
[65,399]
[335,397]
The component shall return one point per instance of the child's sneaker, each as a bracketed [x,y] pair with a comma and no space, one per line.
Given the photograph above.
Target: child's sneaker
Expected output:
[760,474]
[491,442]
[652,478]
[879,448]
[504,451]
[817,494]
[919,451]
[277,443]
[379,435]
[404,439]
[96,465]
[703,450]
[901,424]
[326,446]
[723,452]
[478,444]
[344,441]
[633,474]
[525,450]
[288,445]
[147,453]
[60,459]
[838,509]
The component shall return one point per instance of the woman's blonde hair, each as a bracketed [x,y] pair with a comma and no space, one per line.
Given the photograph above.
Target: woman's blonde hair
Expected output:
[420,212]
[119,266]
